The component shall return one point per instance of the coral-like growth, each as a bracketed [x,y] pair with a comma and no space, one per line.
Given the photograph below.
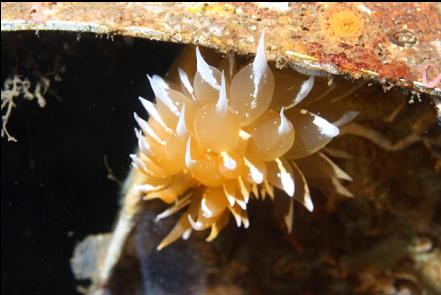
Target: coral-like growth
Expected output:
[16,87]
[213,145]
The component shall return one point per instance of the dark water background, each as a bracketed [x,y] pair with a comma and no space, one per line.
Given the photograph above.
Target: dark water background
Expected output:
[54,185]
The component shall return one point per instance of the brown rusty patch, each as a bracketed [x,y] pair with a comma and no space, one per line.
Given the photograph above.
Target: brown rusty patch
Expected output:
[361,59]
[374,40]
[421,18]
[394,70]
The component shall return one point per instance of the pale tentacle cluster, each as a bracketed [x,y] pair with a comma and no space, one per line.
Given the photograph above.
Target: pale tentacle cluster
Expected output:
[213,144]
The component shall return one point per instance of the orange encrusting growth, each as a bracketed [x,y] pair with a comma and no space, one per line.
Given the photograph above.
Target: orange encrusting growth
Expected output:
[214,144]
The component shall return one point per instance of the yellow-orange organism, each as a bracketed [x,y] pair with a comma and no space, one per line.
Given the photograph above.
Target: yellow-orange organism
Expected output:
[346,24]
[214,143]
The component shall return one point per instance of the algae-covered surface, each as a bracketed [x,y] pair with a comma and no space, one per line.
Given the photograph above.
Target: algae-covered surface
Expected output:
[386,42]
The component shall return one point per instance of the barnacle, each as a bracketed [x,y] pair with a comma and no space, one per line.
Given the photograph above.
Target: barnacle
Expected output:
[229,137]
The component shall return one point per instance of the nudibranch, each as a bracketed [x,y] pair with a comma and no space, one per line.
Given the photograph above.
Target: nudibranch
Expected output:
[213,144]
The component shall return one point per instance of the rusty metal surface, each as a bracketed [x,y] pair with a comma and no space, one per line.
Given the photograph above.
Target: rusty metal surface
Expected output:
[390,42]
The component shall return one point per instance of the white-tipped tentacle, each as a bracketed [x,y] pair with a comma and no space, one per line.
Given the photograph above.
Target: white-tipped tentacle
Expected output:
[206,212]
[186,82]
[285,126]
[196,225]
[244,190]
[259,65]
[256,175]
[181,130]
[143,145]
[222,103]
[188,160]
[228,161]
[172,210]
[153,112]
[304,91]
[286,179]
[137,162]
[205,71]
[160,88]
[325,127]
[148,130]
[230,198]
